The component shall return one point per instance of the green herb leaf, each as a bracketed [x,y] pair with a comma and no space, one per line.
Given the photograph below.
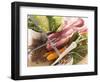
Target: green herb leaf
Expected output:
[81,50]
[42,22]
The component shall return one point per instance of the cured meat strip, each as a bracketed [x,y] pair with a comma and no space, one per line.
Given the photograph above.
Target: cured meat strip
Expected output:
[72,25]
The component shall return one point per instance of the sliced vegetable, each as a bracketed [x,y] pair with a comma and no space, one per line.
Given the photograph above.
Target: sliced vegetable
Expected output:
[52,55]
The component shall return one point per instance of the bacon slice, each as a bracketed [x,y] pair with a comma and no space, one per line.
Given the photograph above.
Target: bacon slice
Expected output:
[72,25]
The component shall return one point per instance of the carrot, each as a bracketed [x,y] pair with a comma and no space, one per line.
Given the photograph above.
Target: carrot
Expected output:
[46,54]
[61,50]
[83,33]
[52,55]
